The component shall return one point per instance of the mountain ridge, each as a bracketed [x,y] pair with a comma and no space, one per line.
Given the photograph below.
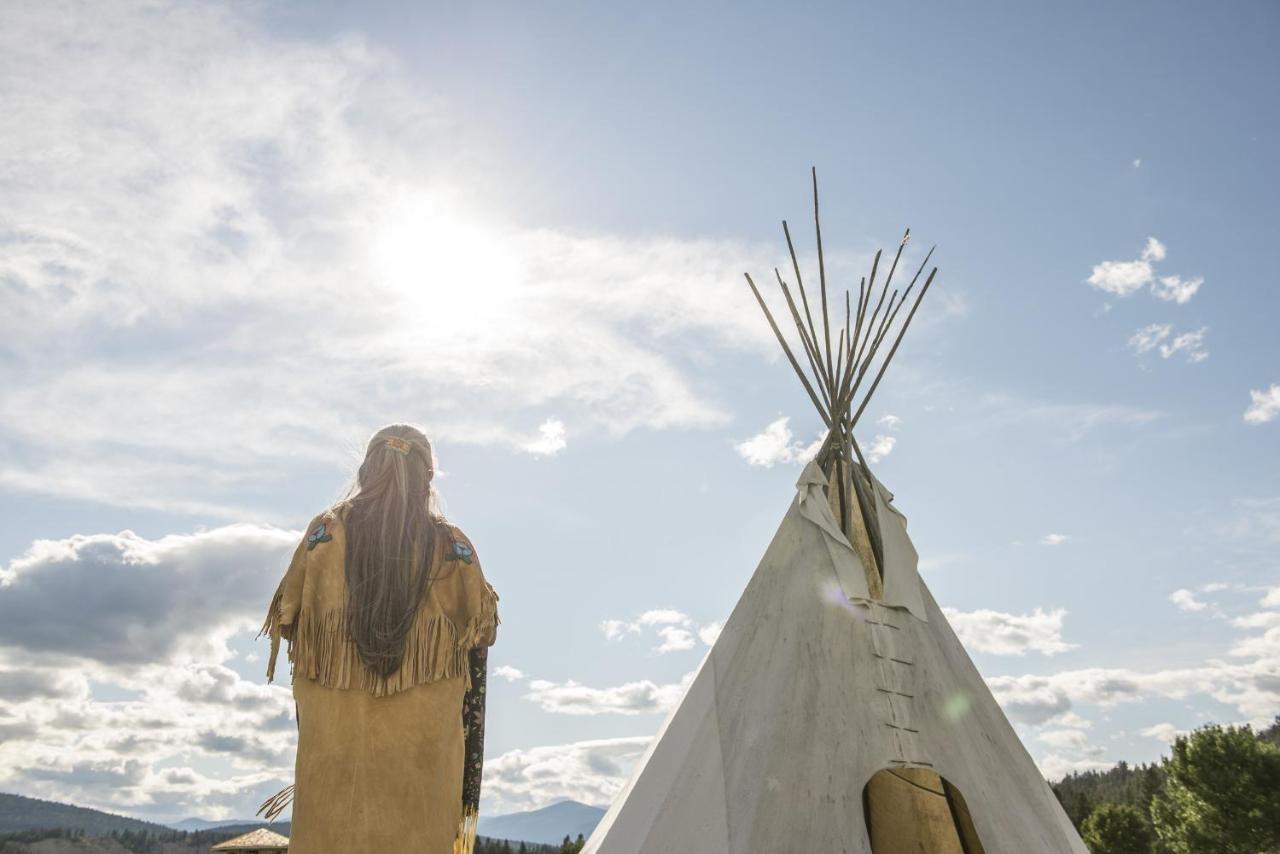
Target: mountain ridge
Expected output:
[548,825]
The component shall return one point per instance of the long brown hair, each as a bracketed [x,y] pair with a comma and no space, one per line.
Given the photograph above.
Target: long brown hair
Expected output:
[392,523]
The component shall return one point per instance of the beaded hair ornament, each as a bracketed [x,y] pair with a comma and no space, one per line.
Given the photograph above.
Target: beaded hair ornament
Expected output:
[403,446]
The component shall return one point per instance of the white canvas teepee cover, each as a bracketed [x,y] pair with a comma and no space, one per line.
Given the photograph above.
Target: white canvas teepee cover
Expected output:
[812,688]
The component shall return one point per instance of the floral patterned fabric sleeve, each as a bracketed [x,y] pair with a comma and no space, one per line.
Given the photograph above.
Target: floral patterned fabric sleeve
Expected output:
[473,728]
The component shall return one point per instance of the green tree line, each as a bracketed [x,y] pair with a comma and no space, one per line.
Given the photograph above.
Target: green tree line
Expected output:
[1218,792]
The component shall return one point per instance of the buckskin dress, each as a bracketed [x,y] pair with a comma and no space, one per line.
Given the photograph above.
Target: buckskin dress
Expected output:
[380,759]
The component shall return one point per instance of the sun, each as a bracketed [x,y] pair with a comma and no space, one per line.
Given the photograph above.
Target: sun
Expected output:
[433,260]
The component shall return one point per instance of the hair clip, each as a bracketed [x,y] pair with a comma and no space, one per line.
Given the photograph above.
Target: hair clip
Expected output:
[398,445]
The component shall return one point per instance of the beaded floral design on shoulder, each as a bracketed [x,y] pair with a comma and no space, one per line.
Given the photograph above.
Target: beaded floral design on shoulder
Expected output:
[319,535]
[460,551]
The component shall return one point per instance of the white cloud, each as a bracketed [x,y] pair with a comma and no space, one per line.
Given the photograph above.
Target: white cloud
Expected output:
[1123,278]
[881,446]
[1010,634]
[1265,647]
[1176,289]
[615,629]
[1253,687]
[1073,739]
[662,617]
[889,422]
[509,673]
[674,639]
[709,633]
[1055,767]
[1166,732]
[774,445]
[552,439]
[1272,599]
[176,597]
[1264,405]
[1154,250]
[1260,620]
[1137,162]
[1054,539]
[632,698]
[1185,600]
[154,636]
[312,270]
[135,753]
[675,629]
[590,772]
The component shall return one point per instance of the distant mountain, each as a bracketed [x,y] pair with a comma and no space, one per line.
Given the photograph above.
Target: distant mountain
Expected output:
[22,813]
[548,825]
[206,824]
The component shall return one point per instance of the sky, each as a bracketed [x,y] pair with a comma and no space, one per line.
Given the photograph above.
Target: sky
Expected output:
[240,237]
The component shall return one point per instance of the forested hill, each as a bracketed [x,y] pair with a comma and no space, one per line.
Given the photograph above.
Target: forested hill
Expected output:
[1220,788]
[22,813]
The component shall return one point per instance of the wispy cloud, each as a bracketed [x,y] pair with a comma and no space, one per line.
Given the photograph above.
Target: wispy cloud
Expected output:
[1064,422]
[310,271]
[1054,539]
[641,697]
[1176,289]
[1160,335]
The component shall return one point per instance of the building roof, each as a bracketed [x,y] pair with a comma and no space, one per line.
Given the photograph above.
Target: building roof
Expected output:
[255,840]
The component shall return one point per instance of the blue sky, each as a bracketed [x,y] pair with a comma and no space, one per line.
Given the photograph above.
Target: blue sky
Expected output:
[240,237]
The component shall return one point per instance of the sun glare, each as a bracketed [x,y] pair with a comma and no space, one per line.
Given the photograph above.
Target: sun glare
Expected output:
[437,262]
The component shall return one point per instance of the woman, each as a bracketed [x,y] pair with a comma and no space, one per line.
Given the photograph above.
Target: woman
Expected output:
[386,614]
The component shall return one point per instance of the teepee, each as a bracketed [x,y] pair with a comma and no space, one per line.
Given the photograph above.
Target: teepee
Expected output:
[838,712]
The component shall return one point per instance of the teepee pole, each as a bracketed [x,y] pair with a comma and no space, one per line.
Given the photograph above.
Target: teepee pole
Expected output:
[872,322]
[810,349]
[804,299]
[893,316]
[822,277]
[787,349]
[889,358]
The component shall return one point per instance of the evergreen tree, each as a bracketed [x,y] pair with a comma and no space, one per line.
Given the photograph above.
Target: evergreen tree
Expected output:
[1222,794]
[1117,829]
